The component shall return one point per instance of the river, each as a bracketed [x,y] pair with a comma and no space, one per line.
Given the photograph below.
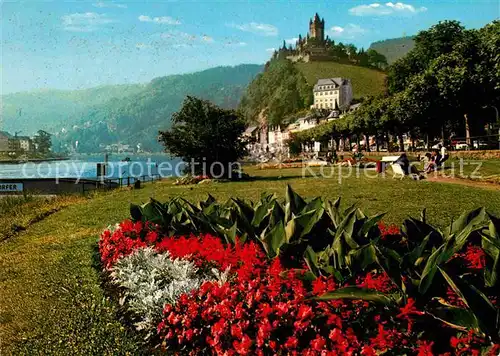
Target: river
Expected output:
[86,167]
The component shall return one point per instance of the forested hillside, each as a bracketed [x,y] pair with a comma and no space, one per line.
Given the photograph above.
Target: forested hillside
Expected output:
[50,109]
[279,91]
[139,117]
[395,48]
[285,88]
[129,114]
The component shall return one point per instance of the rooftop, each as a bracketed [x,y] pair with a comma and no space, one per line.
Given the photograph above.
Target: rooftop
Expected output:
[337,82]
[5,134]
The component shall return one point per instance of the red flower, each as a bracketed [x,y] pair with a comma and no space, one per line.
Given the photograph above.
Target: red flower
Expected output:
[291,343]
[409,309]
[474,257]
[318,343]
[425,348]
[368,351]
[243,347]
[305,312]
[236,331]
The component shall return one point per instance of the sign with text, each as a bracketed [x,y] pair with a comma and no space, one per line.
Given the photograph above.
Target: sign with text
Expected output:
[10,187]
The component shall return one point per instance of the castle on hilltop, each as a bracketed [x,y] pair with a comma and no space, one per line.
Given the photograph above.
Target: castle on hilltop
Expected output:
[313,47]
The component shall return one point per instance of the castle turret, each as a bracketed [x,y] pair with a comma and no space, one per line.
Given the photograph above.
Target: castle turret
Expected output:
[317,28]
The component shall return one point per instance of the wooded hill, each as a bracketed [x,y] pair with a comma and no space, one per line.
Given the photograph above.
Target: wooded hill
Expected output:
[285,88]
[126,114]
[394,48]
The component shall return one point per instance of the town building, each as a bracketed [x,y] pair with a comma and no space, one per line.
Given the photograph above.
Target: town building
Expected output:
[4,141]
[332,93]
[25,143]
[332,99]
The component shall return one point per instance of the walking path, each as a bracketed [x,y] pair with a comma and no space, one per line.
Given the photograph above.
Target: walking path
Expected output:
[465,182]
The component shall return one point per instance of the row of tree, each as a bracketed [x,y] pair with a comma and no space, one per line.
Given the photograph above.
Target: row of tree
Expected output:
[443,86]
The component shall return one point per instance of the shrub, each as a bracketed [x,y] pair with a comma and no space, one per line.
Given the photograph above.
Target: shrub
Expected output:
[150,280]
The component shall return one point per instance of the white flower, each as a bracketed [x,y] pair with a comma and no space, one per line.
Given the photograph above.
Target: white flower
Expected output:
[150,280]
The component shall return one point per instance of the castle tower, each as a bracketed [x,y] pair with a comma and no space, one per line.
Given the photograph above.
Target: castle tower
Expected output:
[317,28]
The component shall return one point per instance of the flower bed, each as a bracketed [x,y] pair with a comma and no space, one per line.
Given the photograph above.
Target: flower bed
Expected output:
[207,293]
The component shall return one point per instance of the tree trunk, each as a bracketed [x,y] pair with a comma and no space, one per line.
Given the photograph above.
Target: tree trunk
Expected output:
[467,130]
[367,143]
[387,141]
[401,143]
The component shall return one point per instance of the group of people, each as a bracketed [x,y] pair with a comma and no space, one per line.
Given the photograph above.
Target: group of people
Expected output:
[435,159]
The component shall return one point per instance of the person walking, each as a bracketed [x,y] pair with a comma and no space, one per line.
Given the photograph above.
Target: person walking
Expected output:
[444,155]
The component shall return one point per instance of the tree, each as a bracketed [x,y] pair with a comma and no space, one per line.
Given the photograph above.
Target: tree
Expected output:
[206,137]
[43,142]
[376,59]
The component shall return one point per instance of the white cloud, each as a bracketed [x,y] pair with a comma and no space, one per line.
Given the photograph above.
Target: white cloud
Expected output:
[377,9]
[141,45]
[167,20]
[270,49]
[85,22]
[291,41]
[179,39]
[101,5]
[349,31]
[257,28]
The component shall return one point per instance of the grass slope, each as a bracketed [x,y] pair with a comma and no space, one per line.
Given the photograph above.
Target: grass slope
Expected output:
[365,81]
[51,300]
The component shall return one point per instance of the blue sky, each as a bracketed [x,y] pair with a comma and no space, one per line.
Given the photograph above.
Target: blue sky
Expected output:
[80,44]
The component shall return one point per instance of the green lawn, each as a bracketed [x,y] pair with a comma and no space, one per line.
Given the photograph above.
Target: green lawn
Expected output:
[51,300]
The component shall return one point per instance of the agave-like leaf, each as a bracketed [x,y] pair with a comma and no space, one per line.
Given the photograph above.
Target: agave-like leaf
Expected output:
[135,212]
[491,247]
[312,221]
[390,261]
[333,211]
[486,314]
[302,274]
[466,224]
[291,230]
[311,260]
[359,259]
[263,210]
[455,317]
[358,293]
[371,223]
[293,201]
[438,257]
[273,240]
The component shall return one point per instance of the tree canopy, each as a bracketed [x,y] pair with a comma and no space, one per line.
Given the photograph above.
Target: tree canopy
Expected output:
[43,142]
[206,137]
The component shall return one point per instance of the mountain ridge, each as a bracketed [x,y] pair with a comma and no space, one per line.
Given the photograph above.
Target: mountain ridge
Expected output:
[132,116]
